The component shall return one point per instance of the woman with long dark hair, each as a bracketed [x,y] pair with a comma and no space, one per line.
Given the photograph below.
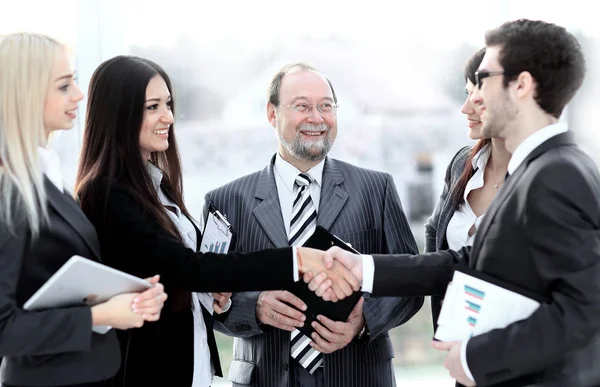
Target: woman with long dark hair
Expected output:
[130,186]
[473,178]
[41,227]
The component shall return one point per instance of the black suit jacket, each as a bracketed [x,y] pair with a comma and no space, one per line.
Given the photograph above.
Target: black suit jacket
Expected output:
[542,232]
[55,346]
[161,353]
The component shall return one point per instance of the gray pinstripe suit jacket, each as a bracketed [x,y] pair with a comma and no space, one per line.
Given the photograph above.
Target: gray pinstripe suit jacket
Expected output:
[360,206]
[435,228]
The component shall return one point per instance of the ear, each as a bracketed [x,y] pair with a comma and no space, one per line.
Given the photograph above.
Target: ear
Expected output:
[271,116]
[526,85]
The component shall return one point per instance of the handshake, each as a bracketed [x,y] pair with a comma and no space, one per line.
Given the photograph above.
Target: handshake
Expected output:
[333,274]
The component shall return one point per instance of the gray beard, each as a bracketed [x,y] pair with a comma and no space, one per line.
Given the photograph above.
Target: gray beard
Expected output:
[308,150]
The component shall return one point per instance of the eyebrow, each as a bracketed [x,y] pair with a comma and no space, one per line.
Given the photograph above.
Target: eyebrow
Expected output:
[157,99]
[66,76]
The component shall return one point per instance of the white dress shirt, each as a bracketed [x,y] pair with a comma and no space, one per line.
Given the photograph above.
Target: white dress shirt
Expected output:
[50,164]
[519,155]
[203,367]
[457,232]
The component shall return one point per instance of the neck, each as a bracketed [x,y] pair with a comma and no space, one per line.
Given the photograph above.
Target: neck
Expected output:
[301,164]
[500,156]
[526,126]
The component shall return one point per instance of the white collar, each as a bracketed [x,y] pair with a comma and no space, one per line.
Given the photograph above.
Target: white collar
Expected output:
[533,141]
[288,172]
[155,174]
[481,158]
[50,165]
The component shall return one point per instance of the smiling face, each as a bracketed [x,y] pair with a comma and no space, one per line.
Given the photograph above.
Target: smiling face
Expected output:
[60,106]
[473,113]
[158,117]
[303,136]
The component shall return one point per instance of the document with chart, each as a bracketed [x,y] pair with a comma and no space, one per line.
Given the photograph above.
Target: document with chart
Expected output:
[475,303]
[217,233]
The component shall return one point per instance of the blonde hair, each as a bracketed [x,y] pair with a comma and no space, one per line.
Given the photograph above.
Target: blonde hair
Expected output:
[26,65]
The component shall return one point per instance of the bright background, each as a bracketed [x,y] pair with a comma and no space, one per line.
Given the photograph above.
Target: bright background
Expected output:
[396,67]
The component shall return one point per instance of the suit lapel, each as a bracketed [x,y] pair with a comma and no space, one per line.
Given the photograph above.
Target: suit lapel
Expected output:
[268,211]
[513,182]
[333,196]
[70,211]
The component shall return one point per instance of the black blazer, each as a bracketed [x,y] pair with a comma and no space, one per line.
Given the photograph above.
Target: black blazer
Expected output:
[56,346]
[161,353]
[542,232]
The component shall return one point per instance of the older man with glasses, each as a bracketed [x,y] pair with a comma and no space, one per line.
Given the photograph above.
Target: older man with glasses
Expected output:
[281,205]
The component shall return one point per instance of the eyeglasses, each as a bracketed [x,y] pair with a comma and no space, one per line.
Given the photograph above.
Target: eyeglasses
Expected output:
[326,108]
[481,75]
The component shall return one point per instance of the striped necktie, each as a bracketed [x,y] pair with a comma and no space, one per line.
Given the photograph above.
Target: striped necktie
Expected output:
[302,226]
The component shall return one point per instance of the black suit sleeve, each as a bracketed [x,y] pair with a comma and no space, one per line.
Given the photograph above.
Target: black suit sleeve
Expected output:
[562,222]
[30,333]
[416,275]
[145,248]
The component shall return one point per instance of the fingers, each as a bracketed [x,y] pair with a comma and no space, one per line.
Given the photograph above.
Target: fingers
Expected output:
[283,322]
[308,276]
[217,308]
[221,298]
[326,333]
[441,345]
[328,257]
[291,299]
[337,327]
[153,280]
[322,345]
[329,295]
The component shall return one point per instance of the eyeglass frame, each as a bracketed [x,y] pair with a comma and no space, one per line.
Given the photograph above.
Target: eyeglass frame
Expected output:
[481,75]
[310,107]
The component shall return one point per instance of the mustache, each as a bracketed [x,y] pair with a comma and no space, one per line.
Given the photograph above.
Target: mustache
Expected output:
[323,127]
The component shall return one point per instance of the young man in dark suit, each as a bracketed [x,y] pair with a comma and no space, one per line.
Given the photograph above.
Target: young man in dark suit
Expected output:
[280,206]
[541,231]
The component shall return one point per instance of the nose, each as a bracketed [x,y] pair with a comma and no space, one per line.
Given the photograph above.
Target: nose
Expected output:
[315,116]
[467,107]
[78,94]
[167,117]
[475,97]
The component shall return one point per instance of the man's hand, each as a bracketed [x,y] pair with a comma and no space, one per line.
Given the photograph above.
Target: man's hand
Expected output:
[335,277]
[452,362]
[335,335]
[271,310]
[333,256]
[220,302]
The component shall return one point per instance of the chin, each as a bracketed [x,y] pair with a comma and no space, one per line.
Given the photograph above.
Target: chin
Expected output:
[475,134]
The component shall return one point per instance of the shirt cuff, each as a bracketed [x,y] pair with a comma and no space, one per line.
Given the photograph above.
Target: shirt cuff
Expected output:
[368,273]
[463,360]
[295,258]
[227,306]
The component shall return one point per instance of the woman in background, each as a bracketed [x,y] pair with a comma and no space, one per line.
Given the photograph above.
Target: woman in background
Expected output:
[41,227]
[473,178]
[129,184]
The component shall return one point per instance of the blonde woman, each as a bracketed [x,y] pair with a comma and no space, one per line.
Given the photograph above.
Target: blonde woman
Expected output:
[41,227]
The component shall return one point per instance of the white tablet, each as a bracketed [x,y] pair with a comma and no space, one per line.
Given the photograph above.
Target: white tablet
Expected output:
[83,281]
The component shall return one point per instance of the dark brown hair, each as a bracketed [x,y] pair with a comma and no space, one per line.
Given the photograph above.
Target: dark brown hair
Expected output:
[458,190]
[548,52]
[111,145]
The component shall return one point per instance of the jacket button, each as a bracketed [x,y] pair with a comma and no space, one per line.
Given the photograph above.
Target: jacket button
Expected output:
[285,367]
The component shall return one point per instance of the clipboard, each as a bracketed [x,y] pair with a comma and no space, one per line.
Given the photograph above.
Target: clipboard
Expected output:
[322,239]
[218,233]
